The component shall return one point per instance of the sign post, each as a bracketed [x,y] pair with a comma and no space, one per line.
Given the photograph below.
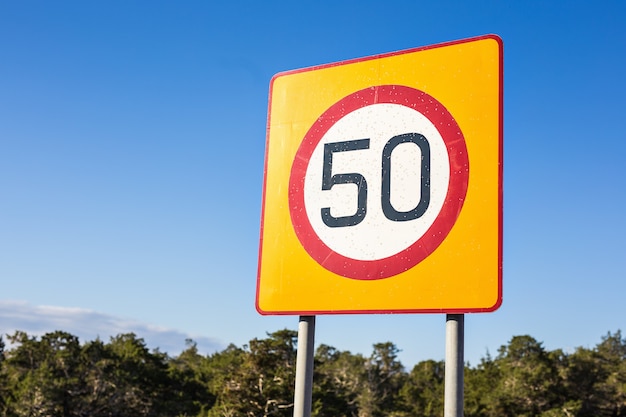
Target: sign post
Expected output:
[383,185]
[304,367]
[455,366]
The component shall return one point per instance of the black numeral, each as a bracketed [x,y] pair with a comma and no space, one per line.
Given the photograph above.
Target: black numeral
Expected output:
[385,199]
[329,180]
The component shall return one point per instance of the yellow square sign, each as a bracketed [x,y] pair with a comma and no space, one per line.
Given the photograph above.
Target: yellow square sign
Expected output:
[383,184]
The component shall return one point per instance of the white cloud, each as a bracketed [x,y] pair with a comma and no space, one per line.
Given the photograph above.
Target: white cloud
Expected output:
[88,325]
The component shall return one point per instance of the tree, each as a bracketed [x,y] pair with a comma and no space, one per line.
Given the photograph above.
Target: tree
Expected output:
[4,384]
[263,384]
[612,356]
[220,370]
[597,378]
[138,376]
[44,374]
[384,377]
[56,376]
[482,388]
[338,378]
[100,388]
[530,381]
[188,392]
[422,393]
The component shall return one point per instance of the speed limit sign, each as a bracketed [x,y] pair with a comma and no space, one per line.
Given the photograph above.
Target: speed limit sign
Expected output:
[383,184]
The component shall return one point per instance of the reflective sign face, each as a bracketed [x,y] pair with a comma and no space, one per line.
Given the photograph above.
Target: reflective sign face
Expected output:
[383,184]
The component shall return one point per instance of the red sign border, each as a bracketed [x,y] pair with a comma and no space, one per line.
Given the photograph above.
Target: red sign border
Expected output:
[406,259]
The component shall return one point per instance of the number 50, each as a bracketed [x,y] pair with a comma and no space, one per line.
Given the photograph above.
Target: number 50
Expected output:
[329,180]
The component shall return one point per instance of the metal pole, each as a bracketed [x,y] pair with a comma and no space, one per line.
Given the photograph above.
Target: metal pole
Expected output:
[304,367]
[453,390]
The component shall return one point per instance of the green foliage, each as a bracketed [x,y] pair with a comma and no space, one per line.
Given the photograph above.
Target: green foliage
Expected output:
[422,393]
[261,378]
[529,384]
[189,378]
[598,377]
[384,378]
[338,380]
[55,375]
[44,375]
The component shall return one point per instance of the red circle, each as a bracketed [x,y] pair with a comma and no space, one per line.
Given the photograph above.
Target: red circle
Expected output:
[404,260]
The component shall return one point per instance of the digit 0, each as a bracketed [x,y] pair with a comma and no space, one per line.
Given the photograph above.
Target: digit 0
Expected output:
[385,199]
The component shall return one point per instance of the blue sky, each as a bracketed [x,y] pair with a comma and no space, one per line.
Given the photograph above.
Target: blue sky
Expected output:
[132,139]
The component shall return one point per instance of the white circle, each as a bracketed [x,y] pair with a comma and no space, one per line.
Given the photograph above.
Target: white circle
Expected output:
[376,237]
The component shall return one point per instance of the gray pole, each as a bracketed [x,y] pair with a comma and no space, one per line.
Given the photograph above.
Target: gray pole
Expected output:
[453,389]
[304,367]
